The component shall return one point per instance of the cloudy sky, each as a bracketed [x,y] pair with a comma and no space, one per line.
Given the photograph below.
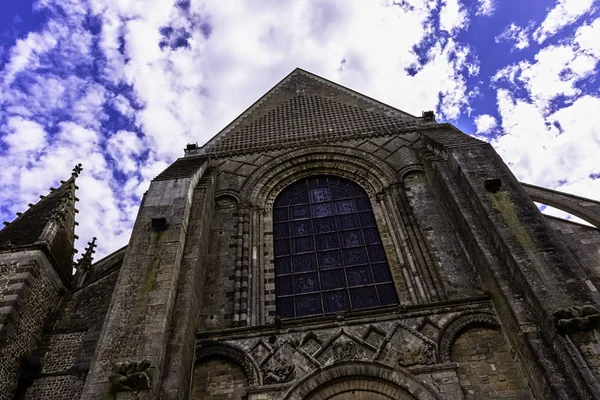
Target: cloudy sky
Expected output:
[122,85]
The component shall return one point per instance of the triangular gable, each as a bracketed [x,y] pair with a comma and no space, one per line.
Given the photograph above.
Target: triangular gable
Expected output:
[305,109]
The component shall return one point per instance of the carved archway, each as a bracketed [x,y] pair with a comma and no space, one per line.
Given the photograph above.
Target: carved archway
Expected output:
[458,326]
[364,377]
[370,172]
[250,367]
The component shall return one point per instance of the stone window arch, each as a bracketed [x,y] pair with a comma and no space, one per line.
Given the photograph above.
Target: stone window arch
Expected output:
[329,257]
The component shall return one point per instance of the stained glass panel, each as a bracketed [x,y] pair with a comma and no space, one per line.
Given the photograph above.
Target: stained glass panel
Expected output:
[363,204]
[305,283]
[285,307]
[304,263]
[333,279]
[301,228]
[344,207]
[367,219]
[327,241]
[371,235]
[308,305]
[283,285]
[328,252]
[376,253]
[387,294]
[302,244]
[347,221]
[358,276]
[336,301]
[381,273]
[364,297]
[299,212]
[355,256]
[280,214]
[282,266]
[351,238]
[324,224]
[329,259]
[322,210]
[301,198]
[282,247]
[319,195]
[281,230]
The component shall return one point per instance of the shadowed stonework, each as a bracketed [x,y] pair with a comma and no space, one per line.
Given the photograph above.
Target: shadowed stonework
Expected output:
[322,246]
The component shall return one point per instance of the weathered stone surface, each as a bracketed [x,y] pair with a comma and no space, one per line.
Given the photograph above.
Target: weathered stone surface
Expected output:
[494,299]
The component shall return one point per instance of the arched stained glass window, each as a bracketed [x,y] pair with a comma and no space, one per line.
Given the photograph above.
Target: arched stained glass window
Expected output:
[328,253]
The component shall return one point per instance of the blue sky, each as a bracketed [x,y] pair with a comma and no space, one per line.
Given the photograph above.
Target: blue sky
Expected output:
[122,85]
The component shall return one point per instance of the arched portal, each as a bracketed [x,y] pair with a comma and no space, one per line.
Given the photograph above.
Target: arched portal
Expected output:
[360,389]
[360,380]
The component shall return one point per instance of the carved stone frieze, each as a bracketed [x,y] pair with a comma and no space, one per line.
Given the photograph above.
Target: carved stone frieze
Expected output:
[279,374]
[576,318]
[410,356]
[130,376]
[288,355]
[345,350]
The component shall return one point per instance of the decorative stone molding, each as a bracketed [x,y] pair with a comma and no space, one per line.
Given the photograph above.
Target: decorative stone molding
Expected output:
[250,367]
[127,376]
[387,379]
[409,356]
[345,350]
[226,200]
[368,171]
[279,374]
[576,318]
[459,325]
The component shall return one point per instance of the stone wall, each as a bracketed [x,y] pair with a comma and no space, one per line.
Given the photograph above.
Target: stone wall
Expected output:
[219,379]
[29,295]
[217,311]
[486,368]
[417,342]
[583,241]
[68,344]
[447,252]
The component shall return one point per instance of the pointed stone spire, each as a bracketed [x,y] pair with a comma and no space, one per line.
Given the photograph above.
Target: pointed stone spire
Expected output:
[49,223]
[85,261]
[84,264]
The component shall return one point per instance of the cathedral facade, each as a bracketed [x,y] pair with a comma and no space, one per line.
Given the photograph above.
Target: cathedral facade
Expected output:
[322,246]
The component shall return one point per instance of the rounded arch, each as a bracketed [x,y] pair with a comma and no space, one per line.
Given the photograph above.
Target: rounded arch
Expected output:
[458,326]
[227,199]
[370,172]
[409,170]
[365,376]
[250,367]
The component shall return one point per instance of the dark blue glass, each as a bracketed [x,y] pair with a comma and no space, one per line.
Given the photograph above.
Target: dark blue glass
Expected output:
[328,252]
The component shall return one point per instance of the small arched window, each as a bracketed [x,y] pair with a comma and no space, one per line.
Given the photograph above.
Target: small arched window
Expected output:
[328,253]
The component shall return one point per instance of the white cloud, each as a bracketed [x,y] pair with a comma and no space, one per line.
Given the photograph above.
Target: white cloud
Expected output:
[516,34]
[25,54]
[485,123]
[186,93]
[485,7]
[24,136]
[124,147]
[453,16]
[564,13]
[587,36]
[556,69]
[539,152]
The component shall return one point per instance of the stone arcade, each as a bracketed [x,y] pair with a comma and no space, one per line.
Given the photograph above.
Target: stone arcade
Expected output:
[322,246]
